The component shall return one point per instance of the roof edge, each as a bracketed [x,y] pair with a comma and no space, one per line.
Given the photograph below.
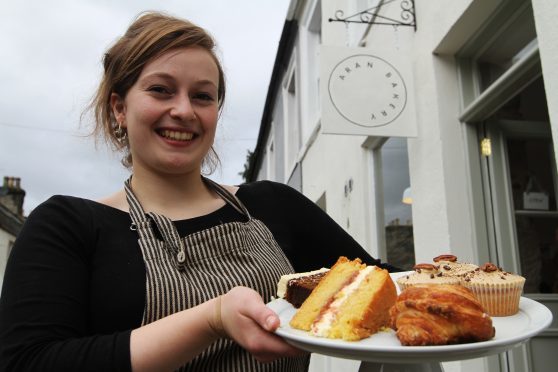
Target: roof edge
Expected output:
[282,58]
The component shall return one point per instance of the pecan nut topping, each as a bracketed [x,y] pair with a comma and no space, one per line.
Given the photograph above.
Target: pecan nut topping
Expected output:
[489,267]
[425,266]
[445,257]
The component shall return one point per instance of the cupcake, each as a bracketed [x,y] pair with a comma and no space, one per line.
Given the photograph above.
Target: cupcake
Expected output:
[498,291]
[425,274]
[449,265]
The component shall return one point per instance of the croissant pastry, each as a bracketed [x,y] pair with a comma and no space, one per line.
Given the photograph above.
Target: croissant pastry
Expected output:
[439,315]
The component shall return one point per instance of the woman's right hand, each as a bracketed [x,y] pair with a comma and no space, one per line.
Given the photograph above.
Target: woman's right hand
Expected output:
[246,319]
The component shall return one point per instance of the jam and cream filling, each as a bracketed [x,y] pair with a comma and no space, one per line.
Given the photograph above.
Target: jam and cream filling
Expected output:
[323,323]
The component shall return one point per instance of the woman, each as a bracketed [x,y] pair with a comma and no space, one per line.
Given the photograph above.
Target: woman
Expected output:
[174,270]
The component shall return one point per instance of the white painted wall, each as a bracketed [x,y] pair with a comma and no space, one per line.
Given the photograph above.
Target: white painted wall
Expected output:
[441,209]
[328,167]
[546,13]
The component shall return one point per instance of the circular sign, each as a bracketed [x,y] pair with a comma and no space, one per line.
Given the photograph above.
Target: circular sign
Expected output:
[367,91]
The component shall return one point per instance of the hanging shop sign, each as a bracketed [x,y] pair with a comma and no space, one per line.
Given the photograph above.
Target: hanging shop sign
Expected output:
[364,92]
[372,16]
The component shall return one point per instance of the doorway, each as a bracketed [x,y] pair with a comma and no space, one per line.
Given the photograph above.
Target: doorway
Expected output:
[519,181]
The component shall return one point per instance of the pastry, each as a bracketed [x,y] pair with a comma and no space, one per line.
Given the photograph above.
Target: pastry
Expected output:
[439,315]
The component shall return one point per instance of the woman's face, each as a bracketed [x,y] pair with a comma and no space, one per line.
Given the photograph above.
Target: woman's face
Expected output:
[171,112]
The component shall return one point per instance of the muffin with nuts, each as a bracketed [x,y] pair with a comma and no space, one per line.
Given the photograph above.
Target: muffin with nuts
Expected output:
[426,274]
[497,290]
[449,265]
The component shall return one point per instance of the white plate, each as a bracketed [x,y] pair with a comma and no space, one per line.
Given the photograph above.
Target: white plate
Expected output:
[384,347]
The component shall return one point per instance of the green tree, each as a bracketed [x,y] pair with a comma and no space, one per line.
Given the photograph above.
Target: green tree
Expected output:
[247,165]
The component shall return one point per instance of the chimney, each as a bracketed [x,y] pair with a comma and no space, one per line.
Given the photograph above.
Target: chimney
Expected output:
[12,195]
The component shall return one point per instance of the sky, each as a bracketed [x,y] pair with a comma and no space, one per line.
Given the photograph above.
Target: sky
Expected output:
[50,65]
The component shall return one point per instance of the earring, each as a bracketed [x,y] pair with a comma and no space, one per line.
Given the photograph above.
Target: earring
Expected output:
[120,134]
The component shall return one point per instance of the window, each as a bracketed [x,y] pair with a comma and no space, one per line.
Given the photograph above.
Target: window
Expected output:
[292,125]
[507,49]
[500,46]
[397,221]
[532,176]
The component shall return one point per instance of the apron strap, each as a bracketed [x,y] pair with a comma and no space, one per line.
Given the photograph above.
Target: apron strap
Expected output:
[140,221]
[172,240]
[228,197]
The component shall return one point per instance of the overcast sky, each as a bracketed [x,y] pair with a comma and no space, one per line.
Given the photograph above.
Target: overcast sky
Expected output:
[50,59]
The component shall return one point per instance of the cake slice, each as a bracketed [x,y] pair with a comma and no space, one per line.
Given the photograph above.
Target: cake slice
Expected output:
[351,302]
[295,288]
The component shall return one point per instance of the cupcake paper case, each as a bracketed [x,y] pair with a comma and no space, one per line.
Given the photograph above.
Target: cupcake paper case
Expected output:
[498,291]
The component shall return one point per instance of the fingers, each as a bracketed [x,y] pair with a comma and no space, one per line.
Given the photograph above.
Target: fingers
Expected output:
[264,316]
[272,322]
[248,303]
[266,346]
[249,322]
[270,348]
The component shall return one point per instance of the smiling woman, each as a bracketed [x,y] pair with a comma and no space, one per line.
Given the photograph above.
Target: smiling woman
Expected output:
[123,64]
[173,271]
[170,113]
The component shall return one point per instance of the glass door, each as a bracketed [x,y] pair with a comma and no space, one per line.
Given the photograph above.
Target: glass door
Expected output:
[521,178]
[533,183]
[514,180]
[520,182]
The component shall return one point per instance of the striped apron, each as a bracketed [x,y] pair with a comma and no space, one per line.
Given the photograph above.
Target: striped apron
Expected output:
[184,272]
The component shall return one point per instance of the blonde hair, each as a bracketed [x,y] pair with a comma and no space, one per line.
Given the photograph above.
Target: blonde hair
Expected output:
[148,37]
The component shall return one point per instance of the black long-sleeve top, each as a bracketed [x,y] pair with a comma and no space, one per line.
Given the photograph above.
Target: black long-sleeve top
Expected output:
[75,286]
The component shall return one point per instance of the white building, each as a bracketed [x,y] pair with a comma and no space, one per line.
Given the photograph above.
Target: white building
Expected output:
[473,141]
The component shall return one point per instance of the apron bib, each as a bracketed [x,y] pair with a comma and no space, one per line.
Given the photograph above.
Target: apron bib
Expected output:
[182,272]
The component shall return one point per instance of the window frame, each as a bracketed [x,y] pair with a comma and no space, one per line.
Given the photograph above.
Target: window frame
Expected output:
[291,115]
